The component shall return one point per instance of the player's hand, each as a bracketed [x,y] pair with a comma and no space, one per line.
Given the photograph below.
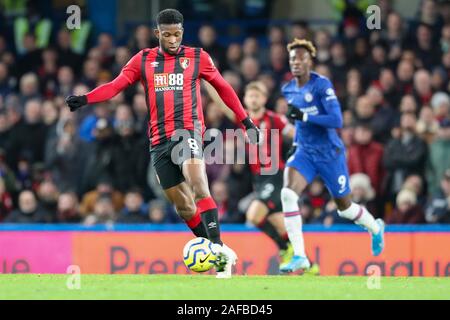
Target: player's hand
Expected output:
[295,113]
[76,102]
[253,132]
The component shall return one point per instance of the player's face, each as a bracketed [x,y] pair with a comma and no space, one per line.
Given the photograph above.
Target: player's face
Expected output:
[254,100]
[300,62]
[170,37]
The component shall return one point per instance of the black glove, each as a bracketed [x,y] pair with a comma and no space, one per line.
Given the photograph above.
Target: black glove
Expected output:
[253,132]
[76,102]
[294,113]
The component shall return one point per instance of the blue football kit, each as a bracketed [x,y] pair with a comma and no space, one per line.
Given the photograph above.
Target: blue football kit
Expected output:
[320,151]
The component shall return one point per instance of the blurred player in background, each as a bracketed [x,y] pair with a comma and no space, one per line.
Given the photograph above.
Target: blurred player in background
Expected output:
[171,76]
[317,114]
[265,211]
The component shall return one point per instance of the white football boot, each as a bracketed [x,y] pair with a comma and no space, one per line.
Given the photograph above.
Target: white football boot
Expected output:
[228,257]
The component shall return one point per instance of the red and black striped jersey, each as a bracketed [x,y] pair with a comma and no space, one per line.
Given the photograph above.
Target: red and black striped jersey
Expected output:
[172,88]
[270,120]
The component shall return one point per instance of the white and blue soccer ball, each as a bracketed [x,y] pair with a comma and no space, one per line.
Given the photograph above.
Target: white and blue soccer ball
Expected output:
[199,255]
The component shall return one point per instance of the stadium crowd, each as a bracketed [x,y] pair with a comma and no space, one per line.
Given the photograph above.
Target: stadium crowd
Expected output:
[92,166]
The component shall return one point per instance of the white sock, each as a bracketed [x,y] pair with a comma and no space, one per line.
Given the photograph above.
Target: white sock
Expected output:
[293,220]
[361,216]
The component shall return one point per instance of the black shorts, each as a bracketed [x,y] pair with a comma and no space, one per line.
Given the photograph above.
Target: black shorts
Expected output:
[167,157]
[268,191]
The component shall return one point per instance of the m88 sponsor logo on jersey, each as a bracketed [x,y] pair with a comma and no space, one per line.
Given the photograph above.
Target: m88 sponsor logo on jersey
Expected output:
[168,81]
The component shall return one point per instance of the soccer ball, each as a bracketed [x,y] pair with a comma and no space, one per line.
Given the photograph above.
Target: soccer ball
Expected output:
[198,255]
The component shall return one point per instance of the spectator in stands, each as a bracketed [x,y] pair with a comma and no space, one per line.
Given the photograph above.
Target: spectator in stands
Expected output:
[427,125]
[405,154]
[440,102]
[7,175]
[250,69]
[385,117]
[322,40]
[278,66]
[219,193]
[301,30]
[29,87]
[6,86]
[387,84]
[408,104]
[128,160]
[6,204]
[66,56]
[364,111]
[48,194]
[422,87]
[106,48]
[65,81]
[91,71]
[438,208]
[250,48]
[143,38]
[98,155]
[395,35]
[407,210]
[439,79]
[425,48]
[404,74]
[157,212]
[366,156]
[135,209]
[121,57]
[416,183]
[31,56]
[105,189]
[67,208]
[377,61]
[28,210]
[28,138]
[5,130]
[62,157]
[233,57]
[445,39]
[439,156]
[338,65]
[207,37]
[103,212]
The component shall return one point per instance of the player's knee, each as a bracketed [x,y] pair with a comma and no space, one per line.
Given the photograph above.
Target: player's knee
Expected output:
[200,190]
[253,218]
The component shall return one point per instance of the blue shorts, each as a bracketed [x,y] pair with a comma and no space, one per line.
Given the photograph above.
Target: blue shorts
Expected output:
[333,173]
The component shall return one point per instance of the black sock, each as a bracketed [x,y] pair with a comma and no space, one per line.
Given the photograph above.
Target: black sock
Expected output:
[210,219]
[200,231]
[197,226]
[268,228]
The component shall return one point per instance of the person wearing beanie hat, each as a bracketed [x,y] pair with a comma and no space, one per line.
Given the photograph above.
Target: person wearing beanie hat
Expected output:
[407,211]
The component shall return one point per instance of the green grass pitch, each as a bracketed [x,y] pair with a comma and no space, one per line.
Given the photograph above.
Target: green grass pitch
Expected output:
[204,287]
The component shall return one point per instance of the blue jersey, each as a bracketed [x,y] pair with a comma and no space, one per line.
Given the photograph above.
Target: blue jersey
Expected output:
[317,136]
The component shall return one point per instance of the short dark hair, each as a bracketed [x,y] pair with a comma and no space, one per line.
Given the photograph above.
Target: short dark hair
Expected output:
[169,16]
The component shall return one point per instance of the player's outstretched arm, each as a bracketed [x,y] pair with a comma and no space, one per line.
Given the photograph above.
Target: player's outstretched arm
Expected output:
[129,74]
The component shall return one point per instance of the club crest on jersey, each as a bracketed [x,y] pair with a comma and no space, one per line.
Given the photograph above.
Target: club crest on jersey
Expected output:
[184,62]
[308,97]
